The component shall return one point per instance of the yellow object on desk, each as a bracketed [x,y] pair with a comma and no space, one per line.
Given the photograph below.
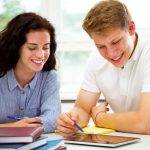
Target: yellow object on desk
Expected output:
[97,130]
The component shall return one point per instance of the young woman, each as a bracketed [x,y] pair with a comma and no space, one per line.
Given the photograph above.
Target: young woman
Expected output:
[29,86]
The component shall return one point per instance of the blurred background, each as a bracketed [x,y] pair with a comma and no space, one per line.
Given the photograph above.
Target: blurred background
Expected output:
[74,45]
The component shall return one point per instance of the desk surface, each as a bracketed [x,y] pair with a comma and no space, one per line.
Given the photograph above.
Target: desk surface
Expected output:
[144,144]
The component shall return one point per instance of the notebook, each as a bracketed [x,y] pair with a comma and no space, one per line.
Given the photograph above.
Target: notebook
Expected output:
[97,130]
[56,144]
[19,134]
[24,146]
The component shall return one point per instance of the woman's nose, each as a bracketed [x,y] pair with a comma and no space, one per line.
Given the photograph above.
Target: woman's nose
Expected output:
[40,53]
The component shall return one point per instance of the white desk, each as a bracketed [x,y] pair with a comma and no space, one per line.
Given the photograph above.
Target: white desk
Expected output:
[144,144]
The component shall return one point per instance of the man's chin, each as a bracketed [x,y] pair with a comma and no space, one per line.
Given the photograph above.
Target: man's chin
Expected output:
[118,65]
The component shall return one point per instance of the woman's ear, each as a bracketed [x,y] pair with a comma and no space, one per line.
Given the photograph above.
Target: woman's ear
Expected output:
[131,27]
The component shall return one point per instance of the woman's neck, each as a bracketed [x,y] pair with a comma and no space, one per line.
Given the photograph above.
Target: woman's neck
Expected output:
[22,76]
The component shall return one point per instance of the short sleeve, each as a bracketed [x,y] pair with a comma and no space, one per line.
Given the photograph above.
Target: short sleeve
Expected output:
[146,73]
[90,75]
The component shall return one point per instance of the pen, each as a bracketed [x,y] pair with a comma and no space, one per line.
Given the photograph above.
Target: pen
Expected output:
[15,117]
[75,124]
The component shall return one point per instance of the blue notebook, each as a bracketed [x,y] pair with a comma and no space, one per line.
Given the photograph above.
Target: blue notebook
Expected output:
[51,144]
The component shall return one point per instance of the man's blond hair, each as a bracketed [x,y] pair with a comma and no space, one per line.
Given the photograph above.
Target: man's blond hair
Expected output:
[106,15]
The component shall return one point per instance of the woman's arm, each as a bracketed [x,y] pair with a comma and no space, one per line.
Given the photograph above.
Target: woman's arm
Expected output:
[26,122]
[50,102]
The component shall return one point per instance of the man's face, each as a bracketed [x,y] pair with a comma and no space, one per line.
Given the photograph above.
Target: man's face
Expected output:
[116,46]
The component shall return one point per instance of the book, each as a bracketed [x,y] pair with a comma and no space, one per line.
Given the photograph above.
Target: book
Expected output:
[19,134]
[24,146]
[97,130]
[56,144]
[61,148]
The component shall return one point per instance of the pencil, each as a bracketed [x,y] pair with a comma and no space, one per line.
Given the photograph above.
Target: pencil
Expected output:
[75,124]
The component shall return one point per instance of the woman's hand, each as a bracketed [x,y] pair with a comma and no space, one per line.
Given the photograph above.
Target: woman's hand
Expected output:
[27,122]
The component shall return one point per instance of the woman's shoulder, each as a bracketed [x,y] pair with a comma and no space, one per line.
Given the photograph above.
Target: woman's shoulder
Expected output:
[49,78]
[52,74]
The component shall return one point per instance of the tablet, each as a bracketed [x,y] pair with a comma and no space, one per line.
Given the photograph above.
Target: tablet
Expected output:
[100,140]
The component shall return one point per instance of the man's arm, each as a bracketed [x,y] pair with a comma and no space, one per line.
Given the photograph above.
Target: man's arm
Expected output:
[135,122]
[80,113]
[86,101]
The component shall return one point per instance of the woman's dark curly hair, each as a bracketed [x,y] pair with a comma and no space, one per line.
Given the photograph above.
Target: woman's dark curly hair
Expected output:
[14,36]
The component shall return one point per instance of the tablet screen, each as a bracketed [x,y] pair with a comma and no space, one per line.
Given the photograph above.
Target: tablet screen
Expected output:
[100,140]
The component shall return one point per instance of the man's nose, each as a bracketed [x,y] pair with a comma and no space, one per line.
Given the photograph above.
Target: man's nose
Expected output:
[111,52]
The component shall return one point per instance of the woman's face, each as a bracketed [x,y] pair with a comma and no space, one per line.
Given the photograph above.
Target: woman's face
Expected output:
[35,52]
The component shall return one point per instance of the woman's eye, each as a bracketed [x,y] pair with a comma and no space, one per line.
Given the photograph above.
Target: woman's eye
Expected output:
[46,48]
[32,48]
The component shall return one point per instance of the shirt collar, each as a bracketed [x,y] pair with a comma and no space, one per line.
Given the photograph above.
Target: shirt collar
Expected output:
[12,82]
[134,57]
[33,82]
[135,54]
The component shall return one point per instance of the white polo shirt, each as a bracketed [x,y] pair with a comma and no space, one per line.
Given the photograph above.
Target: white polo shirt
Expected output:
[120,87]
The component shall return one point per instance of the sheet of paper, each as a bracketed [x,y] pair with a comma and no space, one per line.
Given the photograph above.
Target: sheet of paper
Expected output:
[97,130]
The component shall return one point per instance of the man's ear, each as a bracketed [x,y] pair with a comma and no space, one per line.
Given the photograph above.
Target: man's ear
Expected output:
[131,27]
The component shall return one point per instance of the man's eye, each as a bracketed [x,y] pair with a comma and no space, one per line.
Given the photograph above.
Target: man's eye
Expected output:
[116,42]
[101,47]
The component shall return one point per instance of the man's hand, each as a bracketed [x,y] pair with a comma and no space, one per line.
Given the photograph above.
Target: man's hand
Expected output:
[97,110]
[66,124]
[66,121]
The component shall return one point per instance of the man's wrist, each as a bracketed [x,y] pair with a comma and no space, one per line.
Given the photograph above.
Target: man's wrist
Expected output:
[96,116]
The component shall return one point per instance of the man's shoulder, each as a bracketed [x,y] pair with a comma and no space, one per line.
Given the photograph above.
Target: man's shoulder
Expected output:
[143,50]
[144,45]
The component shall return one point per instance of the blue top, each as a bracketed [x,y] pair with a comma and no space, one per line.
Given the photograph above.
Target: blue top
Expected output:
[39,98]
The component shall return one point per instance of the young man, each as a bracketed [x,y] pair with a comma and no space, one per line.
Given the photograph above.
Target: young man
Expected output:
[120,70]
